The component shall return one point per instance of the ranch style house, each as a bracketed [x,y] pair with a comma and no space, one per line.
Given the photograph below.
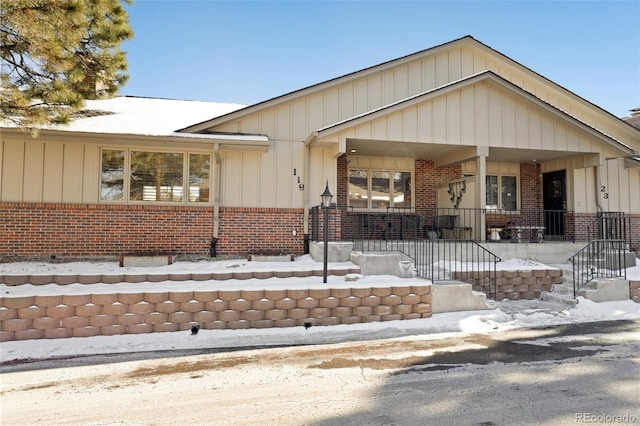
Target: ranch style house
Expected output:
[457,141]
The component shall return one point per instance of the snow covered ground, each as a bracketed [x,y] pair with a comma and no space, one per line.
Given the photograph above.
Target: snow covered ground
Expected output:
[508,315]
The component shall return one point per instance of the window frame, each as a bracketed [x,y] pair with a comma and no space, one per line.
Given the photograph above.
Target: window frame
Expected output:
[499,178]
[126,184]
[370,171]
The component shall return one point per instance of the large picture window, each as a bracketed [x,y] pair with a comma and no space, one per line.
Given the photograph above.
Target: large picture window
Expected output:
[502,192]
[156,176]
[149,176]
[379,189]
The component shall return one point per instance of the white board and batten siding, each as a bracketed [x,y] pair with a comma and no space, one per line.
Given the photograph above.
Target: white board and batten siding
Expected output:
[483,114]
[264,180]
[618,189]
[53,171]
[480,115]
[45,171]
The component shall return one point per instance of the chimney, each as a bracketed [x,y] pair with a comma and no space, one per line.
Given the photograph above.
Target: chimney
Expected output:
[634,120]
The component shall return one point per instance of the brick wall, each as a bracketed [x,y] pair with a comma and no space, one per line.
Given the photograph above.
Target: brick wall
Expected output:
[584,227]
[84,230]
[342,184]
[530,186]
[427,177]
[634,225]
[260,231]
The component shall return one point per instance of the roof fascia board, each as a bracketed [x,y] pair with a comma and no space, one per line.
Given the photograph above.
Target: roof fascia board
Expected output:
[227,142]
[328,84]
[632,163]
[483,76]
[311,139]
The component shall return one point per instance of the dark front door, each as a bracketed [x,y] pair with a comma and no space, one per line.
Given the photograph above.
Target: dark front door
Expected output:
[554,195]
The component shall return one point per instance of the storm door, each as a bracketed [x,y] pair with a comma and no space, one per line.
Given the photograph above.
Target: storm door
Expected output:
[554,195]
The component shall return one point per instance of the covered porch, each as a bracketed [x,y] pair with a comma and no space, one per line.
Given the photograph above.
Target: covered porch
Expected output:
[409,191]
[469,193]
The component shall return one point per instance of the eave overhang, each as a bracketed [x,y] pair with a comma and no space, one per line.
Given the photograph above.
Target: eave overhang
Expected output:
[228,142]
[632,162]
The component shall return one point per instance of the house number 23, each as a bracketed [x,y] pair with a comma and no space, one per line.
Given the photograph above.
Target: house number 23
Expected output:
[605,194]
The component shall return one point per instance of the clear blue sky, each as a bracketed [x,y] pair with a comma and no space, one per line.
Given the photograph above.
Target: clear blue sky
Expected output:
[251,51]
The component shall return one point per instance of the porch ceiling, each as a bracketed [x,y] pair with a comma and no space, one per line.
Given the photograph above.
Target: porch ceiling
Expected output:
[377,148]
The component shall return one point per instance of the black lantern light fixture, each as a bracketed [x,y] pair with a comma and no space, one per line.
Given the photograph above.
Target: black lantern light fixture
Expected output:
[326,197]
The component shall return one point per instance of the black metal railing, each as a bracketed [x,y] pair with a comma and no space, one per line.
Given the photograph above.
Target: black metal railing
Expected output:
[385,231]
[613,226]
[317,223]
[598,259]
[457,260]
[523,225]
[443,260]
[491,225]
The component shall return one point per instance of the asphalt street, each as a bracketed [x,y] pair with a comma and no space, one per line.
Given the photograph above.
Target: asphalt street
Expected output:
[546,376]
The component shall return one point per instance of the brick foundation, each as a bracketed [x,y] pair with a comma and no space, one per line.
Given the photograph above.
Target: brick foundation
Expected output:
[31,230]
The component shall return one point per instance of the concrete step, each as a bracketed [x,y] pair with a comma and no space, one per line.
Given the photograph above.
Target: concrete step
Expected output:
[565,299]
[563,289]
[605,290]
[452,296]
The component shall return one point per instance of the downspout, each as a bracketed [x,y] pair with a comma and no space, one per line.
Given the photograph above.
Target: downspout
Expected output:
[216,199]
[305,221]
[598,201]
[311,139]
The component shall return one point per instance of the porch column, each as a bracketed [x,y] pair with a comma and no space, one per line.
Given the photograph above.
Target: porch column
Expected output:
[481,189]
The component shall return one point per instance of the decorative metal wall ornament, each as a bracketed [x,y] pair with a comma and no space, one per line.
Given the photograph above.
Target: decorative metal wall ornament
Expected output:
[456,191]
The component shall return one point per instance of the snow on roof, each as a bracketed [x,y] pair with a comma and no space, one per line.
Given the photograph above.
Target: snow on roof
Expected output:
[143,116]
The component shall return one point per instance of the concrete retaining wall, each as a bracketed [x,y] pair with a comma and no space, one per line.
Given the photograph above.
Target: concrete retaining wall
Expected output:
[634,290]
[60,316]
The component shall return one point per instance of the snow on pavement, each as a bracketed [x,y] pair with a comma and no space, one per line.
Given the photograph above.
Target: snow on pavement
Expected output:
[508,314]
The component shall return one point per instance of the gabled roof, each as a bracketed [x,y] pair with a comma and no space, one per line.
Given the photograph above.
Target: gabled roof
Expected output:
[457,85]
[215,121]
[316,87]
